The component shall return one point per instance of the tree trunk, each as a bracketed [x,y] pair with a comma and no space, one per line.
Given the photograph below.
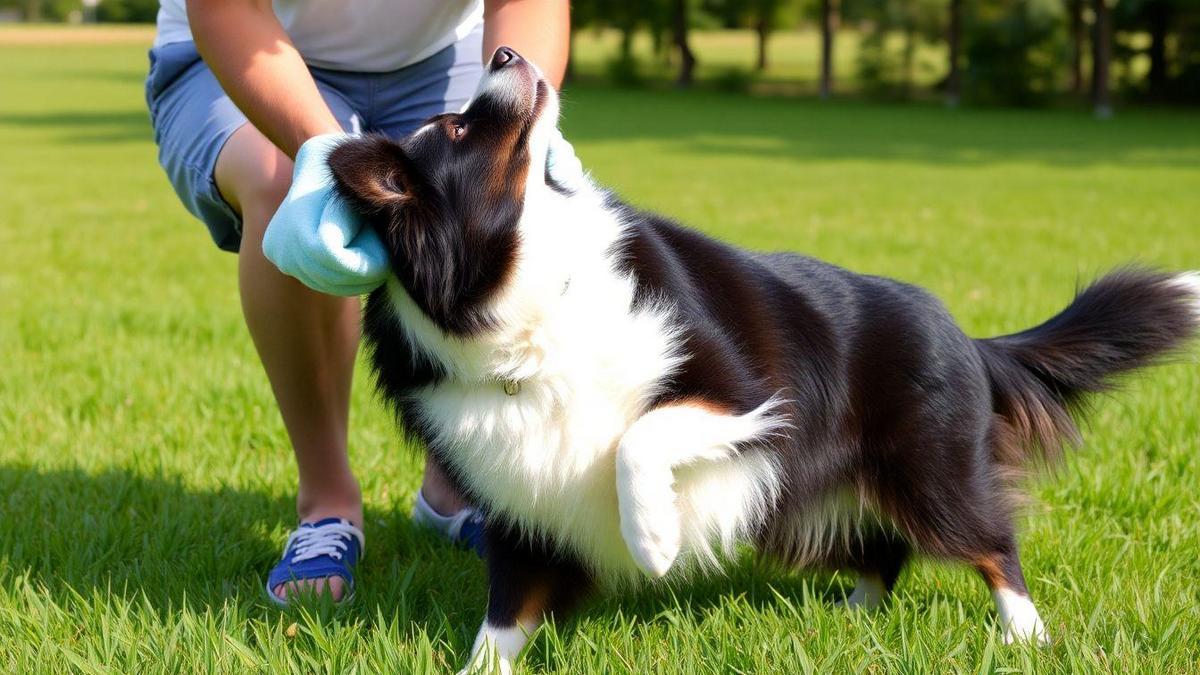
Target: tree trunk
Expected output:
[1160,23]
[687,60]
[1075,9]
[627,43]
[954,43]
[763,28]
[33,10]
[829,23]
[910,46]
[1101,59]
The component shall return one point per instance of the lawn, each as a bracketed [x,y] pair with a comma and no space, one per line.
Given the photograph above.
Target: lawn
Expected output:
[146,482]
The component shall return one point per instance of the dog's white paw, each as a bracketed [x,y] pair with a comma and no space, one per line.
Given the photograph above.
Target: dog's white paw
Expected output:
[868,594]
[1019,619]
[1030,632]
[652,535]
[487,661]
[498,667]
[495,649]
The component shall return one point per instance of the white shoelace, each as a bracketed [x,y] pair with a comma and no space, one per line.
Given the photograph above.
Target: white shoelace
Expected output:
[328,539]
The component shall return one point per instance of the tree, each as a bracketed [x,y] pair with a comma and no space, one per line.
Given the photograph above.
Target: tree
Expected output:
[1013,51]
[954,51]
[829,24]
[127,11]
[766,21]
[764,17]
[1101,59]
[1158,18]
[882,69]
[626,17]
[1075,17]
[1171,26]
[762,28]
[679,32]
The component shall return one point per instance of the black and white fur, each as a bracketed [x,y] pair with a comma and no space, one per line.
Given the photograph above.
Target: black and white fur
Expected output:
[624,397]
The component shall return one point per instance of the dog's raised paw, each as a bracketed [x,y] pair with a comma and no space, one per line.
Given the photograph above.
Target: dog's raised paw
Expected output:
[653,538]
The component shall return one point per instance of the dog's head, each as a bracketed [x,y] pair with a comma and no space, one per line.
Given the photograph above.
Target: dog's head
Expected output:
[447,200]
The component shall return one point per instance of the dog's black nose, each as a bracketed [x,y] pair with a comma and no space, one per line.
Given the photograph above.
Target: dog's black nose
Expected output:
[503,57]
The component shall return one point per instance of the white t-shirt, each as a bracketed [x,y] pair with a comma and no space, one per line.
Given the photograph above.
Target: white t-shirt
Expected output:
[372,36]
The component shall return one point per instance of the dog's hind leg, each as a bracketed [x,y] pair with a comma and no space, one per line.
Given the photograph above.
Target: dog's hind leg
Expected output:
[1019,619]
[527,580]
[975,527]
[661,441]
[879,558]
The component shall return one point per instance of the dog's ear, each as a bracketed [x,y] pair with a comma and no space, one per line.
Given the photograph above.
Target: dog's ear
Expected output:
[373,173]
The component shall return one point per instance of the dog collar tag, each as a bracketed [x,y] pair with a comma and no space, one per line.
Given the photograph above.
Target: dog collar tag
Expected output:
[512,387]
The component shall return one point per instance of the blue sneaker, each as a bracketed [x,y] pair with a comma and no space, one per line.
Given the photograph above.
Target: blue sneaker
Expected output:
[464,528]
[330,547]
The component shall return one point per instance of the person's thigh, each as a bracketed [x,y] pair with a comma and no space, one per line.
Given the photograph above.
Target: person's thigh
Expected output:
[196,125]
[444,82]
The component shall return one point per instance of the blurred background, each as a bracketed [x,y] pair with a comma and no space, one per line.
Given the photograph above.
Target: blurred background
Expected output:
[147,479]
[993,52]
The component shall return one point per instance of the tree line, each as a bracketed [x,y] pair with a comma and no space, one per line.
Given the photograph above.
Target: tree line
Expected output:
[1021,52]
[1014,52]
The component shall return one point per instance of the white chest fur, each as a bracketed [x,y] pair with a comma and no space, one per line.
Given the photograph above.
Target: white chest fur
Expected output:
[588,361]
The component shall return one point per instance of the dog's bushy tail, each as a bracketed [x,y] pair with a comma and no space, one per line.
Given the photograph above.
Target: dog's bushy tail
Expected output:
[1042,376]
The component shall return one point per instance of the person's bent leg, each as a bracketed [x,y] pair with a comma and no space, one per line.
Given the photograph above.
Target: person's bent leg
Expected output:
[305,339]
[443,82]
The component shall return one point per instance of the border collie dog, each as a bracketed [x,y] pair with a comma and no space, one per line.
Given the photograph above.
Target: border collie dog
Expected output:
[624,398]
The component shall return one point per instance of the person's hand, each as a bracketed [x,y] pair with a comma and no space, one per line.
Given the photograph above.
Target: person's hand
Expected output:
[562,165]
[316,238]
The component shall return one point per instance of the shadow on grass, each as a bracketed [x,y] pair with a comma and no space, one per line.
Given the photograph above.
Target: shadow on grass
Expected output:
[152,536]
[727,124]
[134,535]
[115,533]
[81,126]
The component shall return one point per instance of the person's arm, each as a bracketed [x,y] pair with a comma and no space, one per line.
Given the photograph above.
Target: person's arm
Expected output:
[254,60]
[540,31]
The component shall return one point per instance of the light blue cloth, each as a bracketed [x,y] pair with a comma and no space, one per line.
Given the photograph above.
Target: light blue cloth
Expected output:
[315,238]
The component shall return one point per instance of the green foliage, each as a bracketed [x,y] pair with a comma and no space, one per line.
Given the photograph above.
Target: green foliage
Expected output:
[45,10]
[1013,51]
[127,11]
[778,14]
[1165,34]
[734,80]
[624,70]
[891,32]
[146,482]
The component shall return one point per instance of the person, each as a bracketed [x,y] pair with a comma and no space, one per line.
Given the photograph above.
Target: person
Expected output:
[237,90]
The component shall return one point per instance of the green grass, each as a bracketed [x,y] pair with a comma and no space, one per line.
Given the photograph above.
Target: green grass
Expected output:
[146,482]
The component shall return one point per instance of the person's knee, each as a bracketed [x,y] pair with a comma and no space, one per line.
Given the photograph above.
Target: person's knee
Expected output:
[254,176]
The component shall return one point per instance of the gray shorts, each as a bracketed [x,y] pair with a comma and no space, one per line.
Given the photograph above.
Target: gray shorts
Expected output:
[193,118]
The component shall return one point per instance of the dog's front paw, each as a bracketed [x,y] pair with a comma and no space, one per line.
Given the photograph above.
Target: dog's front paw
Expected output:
[497,668]
[487,662]
[651,532]
[654,546]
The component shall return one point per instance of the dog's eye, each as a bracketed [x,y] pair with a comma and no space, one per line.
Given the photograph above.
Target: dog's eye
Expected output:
[456,130]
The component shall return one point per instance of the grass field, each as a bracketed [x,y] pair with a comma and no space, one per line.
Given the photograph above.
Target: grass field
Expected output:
[146,482]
